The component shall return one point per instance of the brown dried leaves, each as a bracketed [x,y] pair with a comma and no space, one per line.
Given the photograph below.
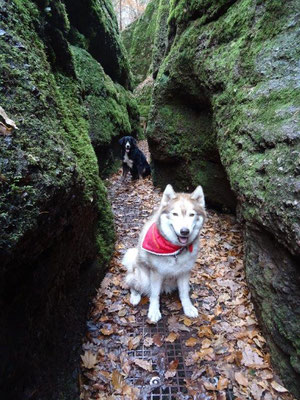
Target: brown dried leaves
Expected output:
[223,348]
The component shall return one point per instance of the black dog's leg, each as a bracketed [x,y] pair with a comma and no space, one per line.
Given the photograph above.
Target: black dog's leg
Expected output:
[134,173]
[125,171]
[146,171]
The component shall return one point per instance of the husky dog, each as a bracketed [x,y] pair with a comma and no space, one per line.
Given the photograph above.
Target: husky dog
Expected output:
[167,251]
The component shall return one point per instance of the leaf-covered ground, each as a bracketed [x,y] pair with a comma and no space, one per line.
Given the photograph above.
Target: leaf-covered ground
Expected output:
[220,355]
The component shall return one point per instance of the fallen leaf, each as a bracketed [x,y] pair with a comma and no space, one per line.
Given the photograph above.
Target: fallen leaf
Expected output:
[144,300]
[203,353]
[175,306]
[157,340]
[146,365]
[171,337]
[7,120]
[205,330]
[222,383]
[191,342]
[126,367]
[251,358]
[278,387]
[172,369]
[250,321]
[5,130]
[106,332]
[117,380]
[175,326]
[89,360]
[206,343]
[105,374]
[133,343]
[266,374]
[256,391]
[131,392]
[122,313]
[187,321]
[241,379]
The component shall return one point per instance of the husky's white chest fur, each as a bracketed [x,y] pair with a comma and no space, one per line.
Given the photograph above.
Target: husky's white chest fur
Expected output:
[167,251]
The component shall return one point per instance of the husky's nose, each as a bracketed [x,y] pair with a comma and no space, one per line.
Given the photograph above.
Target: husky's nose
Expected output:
[184,231]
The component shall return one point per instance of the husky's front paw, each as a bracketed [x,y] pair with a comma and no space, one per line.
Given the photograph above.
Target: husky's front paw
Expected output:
[154,314]
[190,311]
[135,297]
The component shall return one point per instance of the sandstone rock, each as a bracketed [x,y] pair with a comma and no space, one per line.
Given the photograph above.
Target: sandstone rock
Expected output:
[225,114]
[56,229]
[138,39]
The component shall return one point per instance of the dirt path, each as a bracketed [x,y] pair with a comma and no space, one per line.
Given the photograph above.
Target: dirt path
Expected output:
[220,355]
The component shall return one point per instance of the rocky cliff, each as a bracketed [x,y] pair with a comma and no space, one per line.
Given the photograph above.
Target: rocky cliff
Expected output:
[225,114]
[64,81]
[139,40]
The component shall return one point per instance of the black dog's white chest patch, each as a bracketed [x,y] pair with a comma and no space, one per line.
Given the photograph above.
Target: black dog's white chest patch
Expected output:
[127,160]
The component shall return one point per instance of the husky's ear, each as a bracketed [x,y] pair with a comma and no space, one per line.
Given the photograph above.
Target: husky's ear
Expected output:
[168,195]
[198,195]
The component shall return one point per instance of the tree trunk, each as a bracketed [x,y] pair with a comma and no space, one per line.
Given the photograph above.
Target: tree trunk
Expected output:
[120,14]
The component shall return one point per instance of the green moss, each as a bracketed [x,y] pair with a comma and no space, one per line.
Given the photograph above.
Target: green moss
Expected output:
[161,35]
[77,127]
[138,40]
[143,95]
[183,11]
[111,110]
[53,135]
[236,62]
[97,22]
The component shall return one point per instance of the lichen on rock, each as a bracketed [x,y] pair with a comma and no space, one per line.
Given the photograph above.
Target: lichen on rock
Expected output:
[225,114]
[56,227]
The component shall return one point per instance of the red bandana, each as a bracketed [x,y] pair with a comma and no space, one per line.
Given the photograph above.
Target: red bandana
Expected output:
[155,243]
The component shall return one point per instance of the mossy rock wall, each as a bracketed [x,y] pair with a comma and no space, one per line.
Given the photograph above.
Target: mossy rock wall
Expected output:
[225,114]
[161,40]
[138,39]
[111,109]
[56,228]
[146,46]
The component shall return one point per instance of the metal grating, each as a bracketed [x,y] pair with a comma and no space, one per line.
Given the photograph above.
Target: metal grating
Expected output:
[155,386]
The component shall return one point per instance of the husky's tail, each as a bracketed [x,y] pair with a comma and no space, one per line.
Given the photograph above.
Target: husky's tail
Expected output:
[129,259]
[136,278]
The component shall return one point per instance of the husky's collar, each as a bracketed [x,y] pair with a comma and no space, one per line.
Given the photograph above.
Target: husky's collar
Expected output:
[155,243]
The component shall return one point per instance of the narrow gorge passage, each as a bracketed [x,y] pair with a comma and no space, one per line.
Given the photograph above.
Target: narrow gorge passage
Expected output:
[220,355]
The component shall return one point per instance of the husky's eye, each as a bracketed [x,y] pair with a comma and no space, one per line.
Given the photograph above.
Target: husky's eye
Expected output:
[175,214]
[192,214]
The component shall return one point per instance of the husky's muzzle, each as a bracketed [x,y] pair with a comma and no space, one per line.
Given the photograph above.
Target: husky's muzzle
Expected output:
[184,235]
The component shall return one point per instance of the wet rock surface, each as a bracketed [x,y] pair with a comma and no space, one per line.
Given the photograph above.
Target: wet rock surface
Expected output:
[56,227]
[225,114]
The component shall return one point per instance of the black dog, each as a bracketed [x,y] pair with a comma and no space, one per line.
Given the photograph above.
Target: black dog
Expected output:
[133,159]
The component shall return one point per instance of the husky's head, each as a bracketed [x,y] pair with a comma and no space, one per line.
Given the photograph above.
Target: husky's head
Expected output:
[181,215]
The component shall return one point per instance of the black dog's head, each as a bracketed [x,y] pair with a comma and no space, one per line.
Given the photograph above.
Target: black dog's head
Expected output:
[127,142]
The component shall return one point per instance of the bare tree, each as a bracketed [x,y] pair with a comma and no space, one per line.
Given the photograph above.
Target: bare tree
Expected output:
[128,11]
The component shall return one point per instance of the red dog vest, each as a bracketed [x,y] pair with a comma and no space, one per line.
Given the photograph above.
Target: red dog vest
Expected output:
[155,243]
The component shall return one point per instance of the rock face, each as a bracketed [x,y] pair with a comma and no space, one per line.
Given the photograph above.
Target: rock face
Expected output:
[225,114]
[65,89]
[138,39]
